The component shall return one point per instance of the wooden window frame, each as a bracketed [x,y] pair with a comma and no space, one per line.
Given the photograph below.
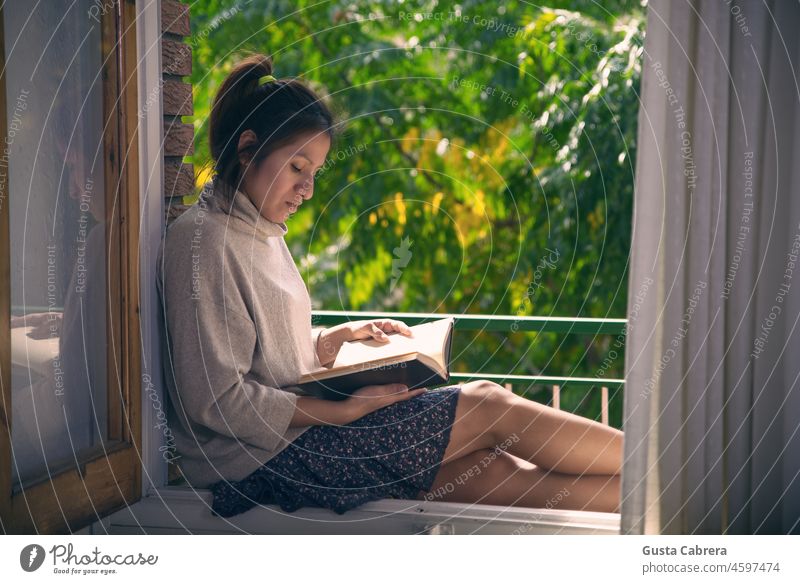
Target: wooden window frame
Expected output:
[106,478]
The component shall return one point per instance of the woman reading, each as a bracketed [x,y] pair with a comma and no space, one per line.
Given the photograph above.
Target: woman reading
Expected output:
[238,337]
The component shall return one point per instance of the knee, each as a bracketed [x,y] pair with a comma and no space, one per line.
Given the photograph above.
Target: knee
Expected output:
[483,391]
[485,403]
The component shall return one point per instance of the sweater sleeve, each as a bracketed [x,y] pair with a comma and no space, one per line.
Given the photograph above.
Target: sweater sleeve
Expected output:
[315,333]
[211,361]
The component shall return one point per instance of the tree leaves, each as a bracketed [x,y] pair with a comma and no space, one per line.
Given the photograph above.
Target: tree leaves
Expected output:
[483,134]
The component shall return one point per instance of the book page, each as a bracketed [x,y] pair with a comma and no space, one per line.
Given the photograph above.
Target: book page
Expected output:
[426,338]
[322,374]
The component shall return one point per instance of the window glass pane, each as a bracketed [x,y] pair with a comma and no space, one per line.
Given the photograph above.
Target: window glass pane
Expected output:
[54,165]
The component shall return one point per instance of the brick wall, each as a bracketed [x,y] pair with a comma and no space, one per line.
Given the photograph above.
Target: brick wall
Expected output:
[176,64]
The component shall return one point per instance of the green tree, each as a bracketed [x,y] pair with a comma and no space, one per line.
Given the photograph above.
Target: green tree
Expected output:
[485,165]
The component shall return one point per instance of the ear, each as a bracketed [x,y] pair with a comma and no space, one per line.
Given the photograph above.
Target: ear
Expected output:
[246,139]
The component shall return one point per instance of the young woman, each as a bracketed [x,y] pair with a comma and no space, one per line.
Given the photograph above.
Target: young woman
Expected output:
[238,337]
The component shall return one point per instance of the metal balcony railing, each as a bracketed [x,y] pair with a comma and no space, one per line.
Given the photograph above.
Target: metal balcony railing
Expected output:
[507,324]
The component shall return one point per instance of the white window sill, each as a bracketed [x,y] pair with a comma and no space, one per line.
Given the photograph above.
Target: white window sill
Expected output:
[181,510]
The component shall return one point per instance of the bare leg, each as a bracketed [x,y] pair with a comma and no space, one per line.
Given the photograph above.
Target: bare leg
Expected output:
[488,416]
[495,477]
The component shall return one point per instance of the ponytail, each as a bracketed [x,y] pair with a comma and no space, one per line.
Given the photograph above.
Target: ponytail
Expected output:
[276,110]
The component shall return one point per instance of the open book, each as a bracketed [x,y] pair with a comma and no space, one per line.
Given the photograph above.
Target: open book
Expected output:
[421,360]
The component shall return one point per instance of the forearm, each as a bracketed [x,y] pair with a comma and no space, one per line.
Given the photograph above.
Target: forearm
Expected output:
[312,411]
[329,343]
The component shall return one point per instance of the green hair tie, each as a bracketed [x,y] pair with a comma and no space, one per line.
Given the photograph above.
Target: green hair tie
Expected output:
[266,79]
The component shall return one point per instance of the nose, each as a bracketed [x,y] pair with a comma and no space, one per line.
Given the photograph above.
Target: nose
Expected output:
[305,189]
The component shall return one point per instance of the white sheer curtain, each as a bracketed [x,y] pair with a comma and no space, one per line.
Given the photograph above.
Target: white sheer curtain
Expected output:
[712,403]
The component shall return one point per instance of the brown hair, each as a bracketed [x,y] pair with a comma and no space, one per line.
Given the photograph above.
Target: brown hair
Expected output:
[276,111]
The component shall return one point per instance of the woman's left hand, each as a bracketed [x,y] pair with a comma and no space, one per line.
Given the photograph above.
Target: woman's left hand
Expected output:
[375,329]
[332,339]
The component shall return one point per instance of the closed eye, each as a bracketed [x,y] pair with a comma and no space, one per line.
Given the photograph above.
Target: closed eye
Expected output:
[315,175]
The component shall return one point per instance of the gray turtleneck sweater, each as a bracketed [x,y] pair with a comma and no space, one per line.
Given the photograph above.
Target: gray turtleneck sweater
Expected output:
[238,336]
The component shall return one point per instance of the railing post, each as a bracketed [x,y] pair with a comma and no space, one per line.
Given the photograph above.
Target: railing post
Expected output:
[557,397]
[604,405]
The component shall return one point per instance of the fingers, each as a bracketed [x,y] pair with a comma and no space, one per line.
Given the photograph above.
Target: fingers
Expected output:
[391,390]
[400,388]
[380,391]
[399,395]
[402,392]
[406,395]
[401,327]
[378,334]
[387,395]
[392,326]
[396,388]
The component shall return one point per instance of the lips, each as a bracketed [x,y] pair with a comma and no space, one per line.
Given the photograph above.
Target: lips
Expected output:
[294,205]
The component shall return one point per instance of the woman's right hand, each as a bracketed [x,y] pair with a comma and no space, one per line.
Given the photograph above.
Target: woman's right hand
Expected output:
[374,397]
[313,411]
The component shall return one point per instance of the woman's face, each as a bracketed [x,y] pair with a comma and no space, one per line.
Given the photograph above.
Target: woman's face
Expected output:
[285,178]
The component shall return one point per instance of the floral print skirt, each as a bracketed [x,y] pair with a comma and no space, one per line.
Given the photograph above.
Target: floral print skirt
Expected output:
[392,452]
